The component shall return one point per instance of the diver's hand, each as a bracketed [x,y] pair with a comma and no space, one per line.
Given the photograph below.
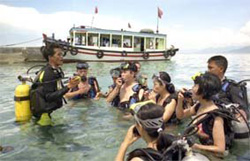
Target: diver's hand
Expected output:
[180,94]
[73,83]
[146,95]
[119,82]
[130,137]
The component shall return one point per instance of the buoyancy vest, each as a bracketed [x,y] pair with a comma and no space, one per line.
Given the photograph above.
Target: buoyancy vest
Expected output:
[173,119]
[92,91]
[47,91]
[233,92]
[146,154]
[207,123]
[149,154]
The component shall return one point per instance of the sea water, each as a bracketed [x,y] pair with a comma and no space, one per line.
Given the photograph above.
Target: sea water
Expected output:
[92,129]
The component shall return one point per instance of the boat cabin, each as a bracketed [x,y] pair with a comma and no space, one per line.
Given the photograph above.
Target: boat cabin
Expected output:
[95,38]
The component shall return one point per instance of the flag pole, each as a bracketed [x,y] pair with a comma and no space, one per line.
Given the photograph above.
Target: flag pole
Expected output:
[157,29]
[92,20]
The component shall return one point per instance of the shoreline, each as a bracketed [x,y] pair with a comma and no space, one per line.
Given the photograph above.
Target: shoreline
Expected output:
[20,54]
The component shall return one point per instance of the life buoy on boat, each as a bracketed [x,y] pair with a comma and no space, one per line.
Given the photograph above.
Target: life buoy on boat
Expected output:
[145,55]
[124,53]
[73,51]
[64,53]
[172,52]
[166,54]
[99,54]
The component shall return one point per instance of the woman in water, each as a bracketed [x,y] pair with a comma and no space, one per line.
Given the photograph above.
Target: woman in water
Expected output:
[149,126]
[165,96]
[211,131]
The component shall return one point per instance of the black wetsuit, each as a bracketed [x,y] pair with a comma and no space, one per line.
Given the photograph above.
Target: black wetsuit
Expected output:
[50,89]
[207,127]
[173,119]
[230,93]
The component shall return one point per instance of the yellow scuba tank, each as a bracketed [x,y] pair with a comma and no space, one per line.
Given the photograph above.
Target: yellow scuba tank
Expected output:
[22,101]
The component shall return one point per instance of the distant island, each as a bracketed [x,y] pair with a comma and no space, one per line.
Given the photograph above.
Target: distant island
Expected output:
[241,50]
[224,50]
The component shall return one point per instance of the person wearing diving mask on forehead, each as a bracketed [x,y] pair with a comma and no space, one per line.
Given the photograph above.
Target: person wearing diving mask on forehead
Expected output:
[165,96]
[160,146]
[88,86]
[126,87]
[212,126]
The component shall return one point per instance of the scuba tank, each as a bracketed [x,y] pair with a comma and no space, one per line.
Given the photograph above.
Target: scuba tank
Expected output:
[195,157]
[22,100]
[241,128]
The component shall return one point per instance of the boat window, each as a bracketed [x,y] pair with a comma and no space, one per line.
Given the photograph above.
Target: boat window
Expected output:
[137,43]
[116,40]
[105,40]
[127,41]
[92,39]
[159,43]
[149,43]
[80,39]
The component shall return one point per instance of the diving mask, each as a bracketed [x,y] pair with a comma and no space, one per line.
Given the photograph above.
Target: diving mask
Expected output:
[128,66]
[157,77]
[148,123]
[115,73]
[82,66]
[142,78]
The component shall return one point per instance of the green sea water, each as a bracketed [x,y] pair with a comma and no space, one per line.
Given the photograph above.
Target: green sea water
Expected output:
[93,130]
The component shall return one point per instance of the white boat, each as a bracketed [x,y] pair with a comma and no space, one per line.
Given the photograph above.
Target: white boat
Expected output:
[101,45]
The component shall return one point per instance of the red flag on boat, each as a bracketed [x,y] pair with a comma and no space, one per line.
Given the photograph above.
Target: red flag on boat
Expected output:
[129,26]
[160,12]
[96,10]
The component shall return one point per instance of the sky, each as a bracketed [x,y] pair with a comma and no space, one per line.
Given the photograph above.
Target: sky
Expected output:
[189,24]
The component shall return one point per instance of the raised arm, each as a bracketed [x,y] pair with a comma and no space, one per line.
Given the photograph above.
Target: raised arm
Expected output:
[116,90]
[183,113]
[169,110]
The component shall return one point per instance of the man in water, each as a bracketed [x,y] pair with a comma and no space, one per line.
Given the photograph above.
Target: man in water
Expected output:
[48,90]
[126,87]
[230,93]
[88,86]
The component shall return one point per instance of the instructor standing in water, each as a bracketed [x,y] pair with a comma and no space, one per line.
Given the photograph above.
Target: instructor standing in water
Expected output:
[48,89]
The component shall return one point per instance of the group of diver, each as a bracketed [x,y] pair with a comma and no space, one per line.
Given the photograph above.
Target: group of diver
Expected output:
[218,106]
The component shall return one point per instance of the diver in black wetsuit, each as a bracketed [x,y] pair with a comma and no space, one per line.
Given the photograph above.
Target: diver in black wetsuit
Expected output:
[229,93]
[48,90]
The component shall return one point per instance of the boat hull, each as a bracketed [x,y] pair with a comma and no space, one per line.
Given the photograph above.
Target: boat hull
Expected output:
[114,56]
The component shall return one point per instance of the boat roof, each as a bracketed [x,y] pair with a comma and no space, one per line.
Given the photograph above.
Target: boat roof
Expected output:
[116,32]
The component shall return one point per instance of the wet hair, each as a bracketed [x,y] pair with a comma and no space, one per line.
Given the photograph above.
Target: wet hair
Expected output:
[209,85]
[220,61]
[48,50]
[151,111]
[166,77]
